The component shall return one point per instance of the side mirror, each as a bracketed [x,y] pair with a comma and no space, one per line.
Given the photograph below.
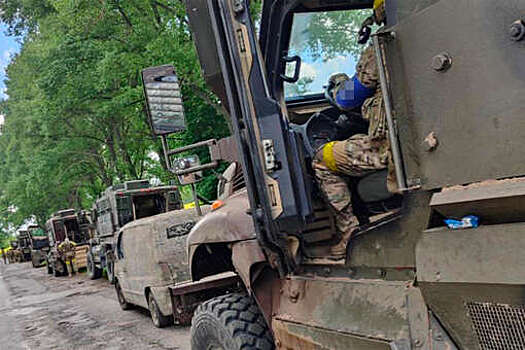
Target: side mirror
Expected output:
[163,100]
[187,169]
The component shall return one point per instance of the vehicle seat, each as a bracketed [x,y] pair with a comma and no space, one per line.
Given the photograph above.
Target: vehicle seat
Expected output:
[373,187]
[370,196]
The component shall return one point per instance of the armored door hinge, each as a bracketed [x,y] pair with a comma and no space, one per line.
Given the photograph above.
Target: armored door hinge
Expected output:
[269,155]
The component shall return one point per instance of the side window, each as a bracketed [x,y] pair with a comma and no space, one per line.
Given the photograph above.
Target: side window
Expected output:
[327,44]
[120,251]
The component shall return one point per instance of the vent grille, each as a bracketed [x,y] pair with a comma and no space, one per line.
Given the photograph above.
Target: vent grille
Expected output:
[498,326]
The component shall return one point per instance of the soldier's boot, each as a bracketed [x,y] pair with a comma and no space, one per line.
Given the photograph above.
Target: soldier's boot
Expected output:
[346,224]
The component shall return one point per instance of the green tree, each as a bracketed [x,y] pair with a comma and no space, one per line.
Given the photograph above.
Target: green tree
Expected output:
[75,119]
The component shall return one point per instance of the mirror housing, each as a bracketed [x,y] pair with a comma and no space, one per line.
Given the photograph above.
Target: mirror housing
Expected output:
[163,100]
[187,169]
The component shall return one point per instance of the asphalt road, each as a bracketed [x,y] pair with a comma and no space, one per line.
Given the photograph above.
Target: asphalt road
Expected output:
[39,311]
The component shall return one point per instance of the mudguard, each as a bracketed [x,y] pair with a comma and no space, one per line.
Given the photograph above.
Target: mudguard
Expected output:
[229,223]
[232,225]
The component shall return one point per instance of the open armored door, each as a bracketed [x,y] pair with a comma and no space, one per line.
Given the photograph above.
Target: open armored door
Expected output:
[269,152]
[457,78]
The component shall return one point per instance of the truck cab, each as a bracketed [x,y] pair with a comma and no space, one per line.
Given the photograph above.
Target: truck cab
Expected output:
[408,280]
[119,205]
[39,245]
[24,246]
[74,225]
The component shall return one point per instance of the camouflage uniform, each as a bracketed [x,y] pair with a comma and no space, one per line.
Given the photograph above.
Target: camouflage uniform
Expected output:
[357,156]
[68,251]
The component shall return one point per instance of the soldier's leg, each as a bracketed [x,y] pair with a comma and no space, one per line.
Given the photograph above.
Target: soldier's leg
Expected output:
[68,266]
[354,157]
[74,265]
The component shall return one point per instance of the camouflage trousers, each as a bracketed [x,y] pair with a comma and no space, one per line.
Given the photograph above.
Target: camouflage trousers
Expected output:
[70,265]
[357,157]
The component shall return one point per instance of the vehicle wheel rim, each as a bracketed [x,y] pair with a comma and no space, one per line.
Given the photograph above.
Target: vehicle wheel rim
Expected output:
[153,311]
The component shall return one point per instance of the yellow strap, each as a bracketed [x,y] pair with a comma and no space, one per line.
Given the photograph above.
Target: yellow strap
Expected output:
[328,156]
[378,3]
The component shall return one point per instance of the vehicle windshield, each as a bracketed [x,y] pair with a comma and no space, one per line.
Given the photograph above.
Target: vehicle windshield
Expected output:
[327,44]
[40,243]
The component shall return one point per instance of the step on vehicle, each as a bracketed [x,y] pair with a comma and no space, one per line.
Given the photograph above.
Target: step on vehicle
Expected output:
[119,205]
[76,226]
[407,281]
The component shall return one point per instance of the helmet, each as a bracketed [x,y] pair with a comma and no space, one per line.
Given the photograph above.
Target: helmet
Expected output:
[379,11]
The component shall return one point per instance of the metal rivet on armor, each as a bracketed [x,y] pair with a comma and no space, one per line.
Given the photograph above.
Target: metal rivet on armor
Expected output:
[442,62]
[517,30]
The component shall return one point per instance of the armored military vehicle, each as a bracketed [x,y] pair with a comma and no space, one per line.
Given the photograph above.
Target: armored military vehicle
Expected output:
[72,224]
[408,280]
[39,245]
[23,252]
[119,205]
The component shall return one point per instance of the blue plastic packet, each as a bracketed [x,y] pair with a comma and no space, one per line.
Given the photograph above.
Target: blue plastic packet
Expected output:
[469,221]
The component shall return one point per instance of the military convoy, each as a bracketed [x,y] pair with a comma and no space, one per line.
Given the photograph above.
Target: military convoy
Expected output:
[119,205]
[257,265]
[408,281]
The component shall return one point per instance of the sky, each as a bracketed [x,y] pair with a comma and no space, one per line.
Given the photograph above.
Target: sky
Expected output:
[8,47]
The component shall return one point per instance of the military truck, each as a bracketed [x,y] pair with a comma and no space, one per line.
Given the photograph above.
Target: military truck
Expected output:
[72,224]
[23,252]
[12,252]
[119,205]
[408,280]
[39,245]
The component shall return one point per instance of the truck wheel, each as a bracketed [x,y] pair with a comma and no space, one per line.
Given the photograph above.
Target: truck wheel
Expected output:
[232,322]
[110,269]
[124,305]
[93,271]
[159,320]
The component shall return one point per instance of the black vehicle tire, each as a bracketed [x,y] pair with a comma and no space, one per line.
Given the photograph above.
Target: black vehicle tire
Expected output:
[232,322]
[124,305]
[92,270]
[159,320]
[110,269]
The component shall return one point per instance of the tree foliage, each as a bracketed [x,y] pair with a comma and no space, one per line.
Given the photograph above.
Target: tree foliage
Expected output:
[75,119]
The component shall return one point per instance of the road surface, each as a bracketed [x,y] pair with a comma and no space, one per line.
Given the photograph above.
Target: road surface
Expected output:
[39,311]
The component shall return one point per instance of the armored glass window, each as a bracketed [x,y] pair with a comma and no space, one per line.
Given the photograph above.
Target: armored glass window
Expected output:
[327,44]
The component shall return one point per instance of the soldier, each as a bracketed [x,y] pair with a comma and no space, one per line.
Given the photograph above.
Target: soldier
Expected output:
[68,252]
[361,154]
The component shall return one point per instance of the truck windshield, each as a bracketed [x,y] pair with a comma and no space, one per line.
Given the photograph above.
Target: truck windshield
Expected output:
[327,44]
[40,243]
[146,206]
